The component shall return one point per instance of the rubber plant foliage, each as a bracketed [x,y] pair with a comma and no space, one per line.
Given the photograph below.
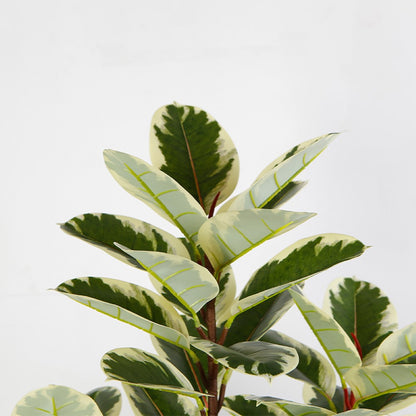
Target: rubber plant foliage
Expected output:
[201,330]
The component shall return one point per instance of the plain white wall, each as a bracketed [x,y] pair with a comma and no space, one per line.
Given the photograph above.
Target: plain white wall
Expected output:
[81,76]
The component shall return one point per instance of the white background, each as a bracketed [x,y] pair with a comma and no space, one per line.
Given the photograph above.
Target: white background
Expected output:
[81,76]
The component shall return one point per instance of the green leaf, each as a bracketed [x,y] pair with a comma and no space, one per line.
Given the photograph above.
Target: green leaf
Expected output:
[57,401]
[190,146]
[293,408]
[140,368]
[245,304]
[187,281]
[158,190]
[102,230]
[335,342]
[253,357]
[131,304]
[363,310]
[390,402]
[242,406]
[313,368]
[316,397]
[108,400]
[226,237]
[372,381]
[276,176]
[149,402]
[398,347]
[304,258]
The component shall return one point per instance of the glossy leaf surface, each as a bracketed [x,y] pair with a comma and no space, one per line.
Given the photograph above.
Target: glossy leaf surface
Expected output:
[313,368]
[253,357]
[278,174]
[191,284]
[102,230]
[150,402]
[293,408]
[190,146]
[158,190]
[335,342]
[57,401]
[243,406]
[228,236]
[362,310]
[108,399]
[304,258]
[399,347]
[372,381]
[131,304]
[140,368]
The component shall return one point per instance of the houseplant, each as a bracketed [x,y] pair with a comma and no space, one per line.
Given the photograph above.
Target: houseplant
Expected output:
[200,329]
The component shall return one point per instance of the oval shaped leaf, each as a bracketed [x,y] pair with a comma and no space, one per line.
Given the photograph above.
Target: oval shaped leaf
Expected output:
[317,397]
[293,408]
[226,237]
[372,381]
[242,406]
[108,399]
[187,281]
[131,304]
[253,357]
[304,258]
[102,230]
[190,146]
[363,311]
[313,368]
[398,346]
[278,174]
[140,368]
[57,401]
[335,342]
[158,190]
[149,402]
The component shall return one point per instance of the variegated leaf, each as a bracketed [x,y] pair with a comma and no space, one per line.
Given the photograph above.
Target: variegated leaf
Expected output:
[313,368]
[108,399]
[158,190]
[277,175]
[304,258]
[363,311]
[245,304]
[242,406]
[253,357]
[102,230]
[390,402]
[226,237]
[131,304]
[150,402]
[335,342]
[187,281]
[293,408]
[316,397]
[372,381]
[360,412]
[190,146]
[289,191]
[399,347]
[226,295]
[57,401]
[140,368]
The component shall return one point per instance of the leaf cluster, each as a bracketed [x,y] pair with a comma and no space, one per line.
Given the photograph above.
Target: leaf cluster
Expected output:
[202,331]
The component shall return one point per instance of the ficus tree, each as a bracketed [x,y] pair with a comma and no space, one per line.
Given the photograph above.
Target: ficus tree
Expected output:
[201,330]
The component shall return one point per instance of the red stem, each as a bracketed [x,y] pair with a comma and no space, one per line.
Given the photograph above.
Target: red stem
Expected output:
[213,205]
[357,344]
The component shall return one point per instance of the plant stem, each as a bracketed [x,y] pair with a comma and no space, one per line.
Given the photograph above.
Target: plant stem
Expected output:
[212,367]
